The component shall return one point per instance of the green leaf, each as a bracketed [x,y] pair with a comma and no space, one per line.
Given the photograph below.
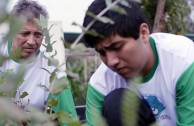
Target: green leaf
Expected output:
[10,81]
[138,79]
[75,122]
[106,20]
[76,24]
[10,111]
[49,48]
[2,59]
[119,10]
[52,77]
[15,26]
[103,19]
[24,94]
[125,3]
[80,47]
[54,53]
[94,33]
[59,85]
[52,102]
[44,21]
[63,116]
[108,2]
[53,62]
[5,75]
[47,37]
[37,21]
[72,74]
[129,108]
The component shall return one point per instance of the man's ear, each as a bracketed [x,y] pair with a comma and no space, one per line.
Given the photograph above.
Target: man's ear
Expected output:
[144,32]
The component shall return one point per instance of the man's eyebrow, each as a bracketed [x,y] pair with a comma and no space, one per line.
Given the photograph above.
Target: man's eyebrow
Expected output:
[109,46]
[24,31]
[113,44]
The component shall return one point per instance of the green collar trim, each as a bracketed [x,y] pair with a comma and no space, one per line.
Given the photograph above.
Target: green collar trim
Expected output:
[151,73]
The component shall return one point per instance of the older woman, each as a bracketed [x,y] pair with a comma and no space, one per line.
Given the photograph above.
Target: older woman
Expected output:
[24,48]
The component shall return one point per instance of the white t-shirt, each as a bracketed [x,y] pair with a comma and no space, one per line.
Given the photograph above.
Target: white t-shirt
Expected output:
[35,79]
[174,55]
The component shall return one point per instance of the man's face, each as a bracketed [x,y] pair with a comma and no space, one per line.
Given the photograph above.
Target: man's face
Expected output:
[126,56]
[28,41]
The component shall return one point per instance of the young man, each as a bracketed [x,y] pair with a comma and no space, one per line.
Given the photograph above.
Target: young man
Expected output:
[21,48]
[128,49]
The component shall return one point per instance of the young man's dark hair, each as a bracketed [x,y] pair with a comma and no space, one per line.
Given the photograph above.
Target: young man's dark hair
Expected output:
[125,25]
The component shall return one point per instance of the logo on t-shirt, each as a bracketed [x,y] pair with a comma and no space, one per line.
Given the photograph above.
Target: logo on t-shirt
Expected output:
[155,103]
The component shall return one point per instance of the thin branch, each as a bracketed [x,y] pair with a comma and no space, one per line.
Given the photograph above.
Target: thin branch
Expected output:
[93,21]
[159,16]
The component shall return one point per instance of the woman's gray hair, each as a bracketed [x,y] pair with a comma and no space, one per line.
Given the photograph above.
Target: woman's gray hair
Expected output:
[29,10]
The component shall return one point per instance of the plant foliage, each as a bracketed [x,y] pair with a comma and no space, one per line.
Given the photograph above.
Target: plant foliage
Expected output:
[173,20]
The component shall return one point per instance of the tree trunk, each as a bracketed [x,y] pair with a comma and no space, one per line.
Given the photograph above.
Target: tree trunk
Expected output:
[159,16]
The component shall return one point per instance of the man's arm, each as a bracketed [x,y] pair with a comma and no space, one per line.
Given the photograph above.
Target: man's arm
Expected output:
[185,98]
[94,102]
[66,103]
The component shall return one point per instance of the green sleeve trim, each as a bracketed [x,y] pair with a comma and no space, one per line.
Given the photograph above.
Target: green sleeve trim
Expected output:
[151,73]
[94,102]
[66,103]
[185,98]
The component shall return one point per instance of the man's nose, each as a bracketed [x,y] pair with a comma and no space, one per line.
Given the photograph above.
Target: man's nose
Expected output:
[31,40]
[112,59]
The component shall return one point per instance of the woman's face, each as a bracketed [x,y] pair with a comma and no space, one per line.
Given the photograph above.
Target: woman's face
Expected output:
[28,41]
